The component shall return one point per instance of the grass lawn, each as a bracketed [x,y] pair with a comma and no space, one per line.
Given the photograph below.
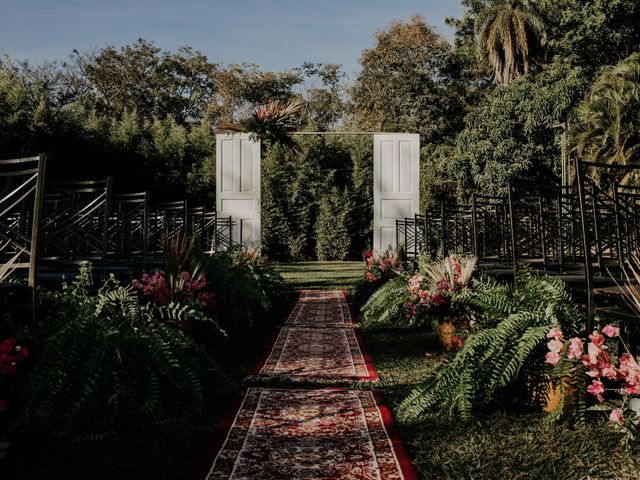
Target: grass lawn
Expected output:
[322,275]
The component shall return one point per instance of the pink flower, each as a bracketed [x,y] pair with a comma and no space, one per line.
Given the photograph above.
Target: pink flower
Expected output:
[616,416]
[596,388]
[608,371]
[593,372]
[633,389]
[7,345]
[552,358]
[575,348]
[555,346]
[596,338]
[611,331]
[555,333]
[593,351]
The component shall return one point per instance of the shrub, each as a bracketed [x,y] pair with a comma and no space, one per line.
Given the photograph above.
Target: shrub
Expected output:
[332,233]
[109,362]
[245,285]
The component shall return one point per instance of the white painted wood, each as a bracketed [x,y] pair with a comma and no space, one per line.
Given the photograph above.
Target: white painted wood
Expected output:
[396,184]
[238,185]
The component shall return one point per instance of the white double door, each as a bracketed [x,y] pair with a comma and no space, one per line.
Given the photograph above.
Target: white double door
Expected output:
[396,189]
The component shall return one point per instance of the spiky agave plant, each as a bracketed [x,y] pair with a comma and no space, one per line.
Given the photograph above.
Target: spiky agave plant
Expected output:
[631,289]
[177,252]
[272,124]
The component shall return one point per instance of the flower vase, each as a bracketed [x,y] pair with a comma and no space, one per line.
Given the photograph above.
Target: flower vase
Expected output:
[554,394]
[447,334]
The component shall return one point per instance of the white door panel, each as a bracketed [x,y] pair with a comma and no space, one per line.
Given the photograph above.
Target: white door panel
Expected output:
[396,179]
[238,185]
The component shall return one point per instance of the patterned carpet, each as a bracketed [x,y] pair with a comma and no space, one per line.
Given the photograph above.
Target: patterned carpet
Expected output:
[324,433]
[312,353]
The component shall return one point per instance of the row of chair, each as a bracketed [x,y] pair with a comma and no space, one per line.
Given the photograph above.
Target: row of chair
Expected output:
[586,233]
[52,226]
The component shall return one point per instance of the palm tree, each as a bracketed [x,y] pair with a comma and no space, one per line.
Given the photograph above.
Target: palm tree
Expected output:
[272,124]
[510,35]
[608,127]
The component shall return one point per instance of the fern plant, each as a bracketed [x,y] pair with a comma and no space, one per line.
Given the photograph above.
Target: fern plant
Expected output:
[516,321]
[108,362]
[384,307]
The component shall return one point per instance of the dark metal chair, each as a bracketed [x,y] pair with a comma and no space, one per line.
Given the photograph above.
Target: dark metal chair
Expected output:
[75,223]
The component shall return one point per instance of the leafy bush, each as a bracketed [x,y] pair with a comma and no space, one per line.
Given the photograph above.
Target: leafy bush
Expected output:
[517,319]
[332,233]
[245,285]
[108,362]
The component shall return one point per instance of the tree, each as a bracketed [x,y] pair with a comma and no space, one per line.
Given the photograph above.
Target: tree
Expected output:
[608,127]
[510,134]
[154,83]
[591,33]
[240,88]
[324,96]
[509,35]
[406,85]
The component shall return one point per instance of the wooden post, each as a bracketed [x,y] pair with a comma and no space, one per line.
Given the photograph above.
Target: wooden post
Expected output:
[543,239]
[560,233]
[616,212]
[105,226]
[474,227]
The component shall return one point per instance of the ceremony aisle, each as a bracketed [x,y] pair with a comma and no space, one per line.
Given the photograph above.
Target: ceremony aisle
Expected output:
[326,432]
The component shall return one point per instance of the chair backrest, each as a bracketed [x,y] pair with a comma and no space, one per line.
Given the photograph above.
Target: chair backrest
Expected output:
[76,220]
[21,182]
[605,213]
[129,228]
[167,220]
[490,224]
[543,226]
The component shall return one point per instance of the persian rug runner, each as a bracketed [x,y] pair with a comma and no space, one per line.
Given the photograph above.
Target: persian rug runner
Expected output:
[307,434]
[310,296]
[309,352]
[321,309]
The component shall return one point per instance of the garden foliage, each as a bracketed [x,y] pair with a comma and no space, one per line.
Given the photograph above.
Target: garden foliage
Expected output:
[108,362]
[500,354]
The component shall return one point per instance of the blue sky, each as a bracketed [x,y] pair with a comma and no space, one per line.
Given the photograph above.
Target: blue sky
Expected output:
[276,34]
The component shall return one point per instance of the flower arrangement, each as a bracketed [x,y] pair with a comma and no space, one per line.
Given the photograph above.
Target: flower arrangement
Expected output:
[621,379]
[431,290]
[382,266]
[190,288]
[11,354]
